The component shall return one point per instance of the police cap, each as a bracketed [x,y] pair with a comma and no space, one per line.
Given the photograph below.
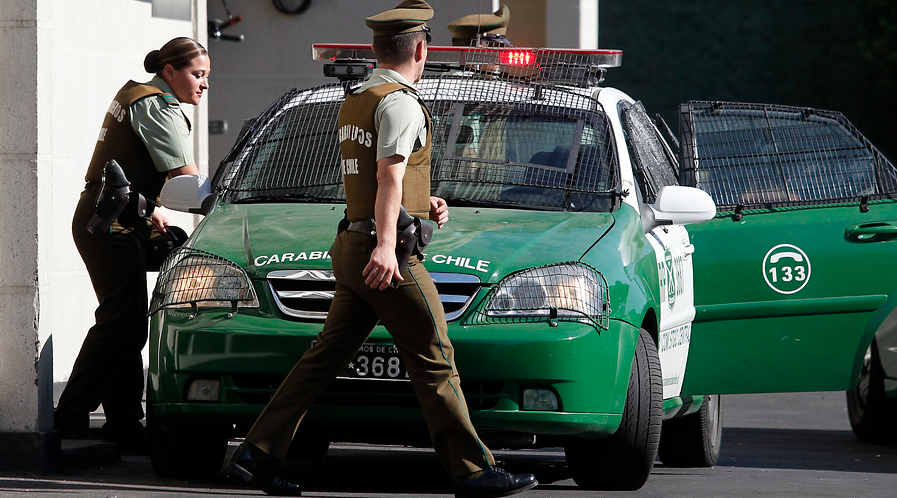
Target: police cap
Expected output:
[407,17]
[468,27]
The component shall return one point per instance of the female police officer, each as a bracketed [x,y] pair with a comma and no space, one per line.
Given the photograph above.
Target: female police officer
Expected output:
[147,134]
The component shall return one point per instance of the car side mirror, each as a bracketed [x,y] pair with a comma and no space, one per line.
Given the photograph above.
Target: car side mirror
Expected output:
[188,194]
[678,205]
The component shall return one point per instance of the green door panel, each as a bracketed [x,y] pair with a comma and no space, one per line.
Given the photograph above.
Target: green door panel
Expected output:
[784,297]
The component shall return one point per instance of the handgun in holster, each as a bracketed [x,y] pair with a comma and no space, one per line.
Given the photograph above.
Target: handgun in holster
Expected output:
[412,237]
[116,201]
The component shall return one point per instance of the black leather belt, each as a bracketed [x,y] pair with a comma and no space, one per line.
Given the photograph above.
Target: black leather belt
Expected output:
[368,227]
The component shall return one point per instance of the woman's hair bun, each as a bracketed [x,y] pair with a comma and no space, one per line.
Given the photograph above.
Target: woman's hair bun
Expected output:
[151,62]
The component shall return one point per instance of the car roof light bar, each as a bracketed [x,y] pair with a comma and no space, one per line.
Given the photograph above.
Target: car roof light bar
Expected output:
[465,56]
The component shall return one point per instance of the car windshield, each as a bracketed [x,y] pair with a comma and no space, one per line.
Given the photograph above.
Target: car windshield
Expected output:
[517,147]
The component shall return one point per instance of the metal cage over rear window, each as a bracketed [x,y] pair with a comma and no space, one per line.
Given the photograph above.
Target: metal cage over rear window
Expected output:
[766,155]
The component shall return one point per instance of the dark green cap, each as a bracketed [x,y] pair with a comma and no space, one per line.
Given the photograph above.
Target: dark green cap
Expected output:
[407,17]
[484,24]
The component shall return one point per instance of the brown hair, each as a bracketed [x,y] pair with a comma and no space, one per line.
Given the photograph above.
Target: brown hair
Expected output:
[178,52]
[393,49]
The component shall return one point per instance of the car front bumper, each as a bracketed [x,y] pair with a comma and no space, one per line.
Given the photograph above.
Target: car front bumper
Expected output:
[587,369]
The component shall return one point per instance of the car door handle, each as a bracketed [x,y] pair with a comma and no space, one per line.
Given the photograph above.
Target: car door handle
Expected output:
[873,231]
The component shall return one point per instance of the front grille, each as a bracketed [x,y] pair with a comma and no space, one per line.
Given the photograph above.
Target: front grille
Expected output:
[307,293]
[258,389]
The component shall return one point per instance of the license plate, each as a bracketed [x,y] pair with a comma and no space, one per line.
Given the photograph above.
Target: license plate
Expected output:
[377,362]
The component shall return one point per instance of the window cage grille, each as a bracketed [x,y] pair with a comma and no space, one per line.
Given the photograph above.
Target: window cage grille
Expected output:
[496,143]
[768,155]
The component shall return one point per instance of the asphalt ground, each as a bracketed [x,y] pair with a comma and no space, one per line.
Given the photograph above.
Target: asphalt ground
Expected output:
[783,445]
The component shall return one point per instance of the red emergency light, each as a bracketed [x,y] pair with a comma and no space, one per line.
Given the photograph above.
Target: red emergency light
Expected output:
[518,58]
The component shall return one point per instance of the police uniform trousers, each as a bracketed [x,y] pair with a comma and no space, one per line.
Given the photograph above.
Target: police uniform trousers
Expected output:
[109,367]
[414,316]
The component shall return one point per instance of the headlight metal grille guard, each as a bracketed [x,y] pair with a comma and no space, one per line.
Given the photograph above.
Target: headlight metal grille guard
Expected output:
[556,274]
[231,283]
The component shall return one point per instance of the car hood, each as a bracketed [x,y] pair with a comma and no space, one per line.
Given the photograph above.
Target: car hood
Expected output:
[488,243]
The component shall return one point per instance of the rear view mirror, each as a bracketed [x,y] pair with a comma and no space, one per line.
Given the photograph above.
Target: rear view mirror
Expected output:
[188,194]
[678,205]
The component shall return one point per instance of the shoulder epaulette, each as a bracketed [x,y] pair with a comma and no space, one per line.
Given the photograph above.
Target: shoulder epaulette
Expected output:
[171,99]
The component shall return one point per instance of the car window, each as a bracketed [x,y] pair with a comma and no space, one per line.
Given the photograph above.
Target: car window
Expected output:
[500,155]
[291,152]
[757,154]
[492,153]
[652,158]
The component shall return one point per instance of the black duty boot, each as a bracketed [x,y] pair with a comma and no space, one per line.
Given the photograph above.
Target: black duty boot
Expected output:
[261,469]
[493,482]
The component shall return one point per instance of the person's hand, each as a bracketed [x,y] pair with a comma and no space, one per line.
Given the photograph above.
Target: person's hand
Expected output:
[160,221]
[438,211]
[382,268]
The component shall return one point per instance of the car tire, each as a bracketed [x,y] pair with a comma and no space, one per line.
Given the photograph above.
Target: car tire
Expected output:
[624,461]
[872,415]
[185,451]
[693,440]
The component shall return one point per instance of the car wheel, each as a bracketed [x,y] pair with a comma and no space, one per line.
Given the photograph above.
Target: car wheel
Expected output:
[872,415]
[185,451]
[693,440]
[624,461]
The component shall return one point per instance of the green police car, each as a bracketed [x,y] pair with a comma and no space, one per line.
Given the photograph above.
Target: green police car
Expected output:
[582,311]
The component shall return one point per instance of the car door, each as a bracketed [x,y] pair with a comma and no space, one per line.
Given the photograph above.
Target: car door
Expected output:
[800,255]
[655,167]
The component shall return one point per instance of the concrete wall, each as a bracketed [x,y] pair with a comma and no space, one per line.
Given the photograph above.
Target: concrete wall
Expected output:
[61,63]
[21,157]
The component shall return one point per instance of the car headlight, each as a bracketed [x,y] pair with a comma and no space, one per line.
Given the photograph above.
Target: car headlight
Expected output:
[565,291]
[195,279]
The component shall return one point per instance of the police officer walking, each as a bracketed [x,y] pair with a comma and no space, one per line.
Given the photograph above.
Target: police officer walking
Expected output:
[380,176]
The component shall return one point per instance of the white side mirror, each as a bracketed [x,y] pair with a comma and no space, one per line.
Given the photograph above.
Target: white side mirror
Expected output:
[188,193]
[678,205]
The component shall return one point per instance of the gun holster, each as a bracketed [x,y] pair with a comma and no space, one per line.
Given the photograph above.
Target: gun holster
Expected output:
[116,201]
[413,235]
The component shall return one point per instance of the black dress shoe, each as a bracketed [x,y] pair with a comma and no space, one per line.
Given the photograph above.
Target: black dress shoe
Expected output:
[493,482]
[261,469]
